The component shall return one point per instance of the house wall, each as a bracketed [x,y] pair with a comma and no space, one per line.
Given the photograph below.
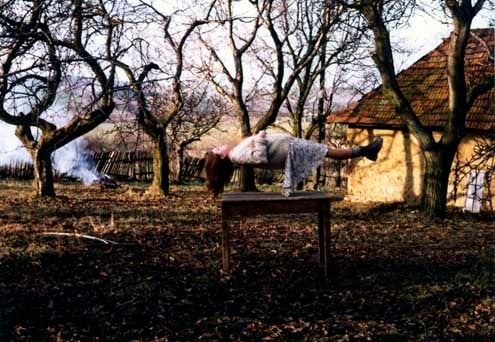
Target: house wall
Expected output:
[398,173]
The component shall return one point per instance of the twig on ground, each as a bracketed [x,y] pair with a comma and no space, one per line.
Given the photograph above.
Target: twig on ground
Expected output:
[83,236]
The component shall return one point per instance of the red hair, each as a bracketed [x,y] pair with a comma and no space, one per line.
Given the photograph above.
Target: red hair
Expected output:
[218,172]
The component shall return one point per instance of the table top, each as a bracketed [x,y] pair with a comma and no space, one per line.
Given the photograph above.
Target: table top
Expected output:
[277,196]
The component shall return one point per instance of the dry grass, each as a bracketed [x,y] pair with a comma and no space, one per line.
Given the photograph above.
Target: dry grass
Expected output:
[395,275]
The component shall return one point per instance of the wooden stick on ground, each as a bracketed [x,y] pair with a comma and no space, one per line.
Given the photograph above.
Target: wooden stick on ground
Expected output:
[83,236]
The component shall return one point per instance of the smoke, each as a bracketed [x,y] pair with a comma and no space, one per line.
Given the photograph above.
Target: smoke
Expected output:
[70,160]
[11,149]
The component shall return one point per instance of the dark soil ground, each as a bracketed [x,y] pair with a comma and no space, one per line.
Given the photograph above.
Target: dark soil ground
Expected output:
[394,276]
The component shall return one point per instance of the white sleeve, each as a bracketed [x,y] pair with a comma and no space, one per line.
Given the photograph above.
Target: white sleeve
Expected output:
[251,151]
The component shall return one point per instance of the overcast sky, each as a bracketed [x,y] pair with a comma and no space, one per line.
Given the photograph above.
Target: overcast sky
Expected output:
[421,35]
[426,31]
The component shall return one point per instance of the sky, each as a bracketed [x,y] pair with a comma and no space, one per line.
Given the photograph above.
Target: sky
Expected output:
[421,35]
[424,32]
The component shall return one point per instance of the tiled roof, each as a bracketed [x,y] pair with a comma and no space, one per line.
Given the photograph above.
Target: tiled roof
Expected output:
[425,85]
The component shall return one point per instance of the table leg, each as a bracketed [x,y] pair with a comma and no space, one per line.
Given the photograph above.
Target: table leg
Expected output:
[225,247]
[324,237]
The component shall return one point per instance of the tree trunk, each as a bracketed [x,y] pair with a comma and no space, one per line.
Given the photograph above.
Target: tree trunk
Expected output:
[43,174]
[246,179]
[321,108]
[246,173]
[160,185]
[180,164]
[438,164]
[299,127]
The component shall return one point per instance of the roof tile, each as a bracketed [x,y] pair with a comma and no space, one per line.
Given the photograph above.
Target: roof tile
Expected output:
[425,84]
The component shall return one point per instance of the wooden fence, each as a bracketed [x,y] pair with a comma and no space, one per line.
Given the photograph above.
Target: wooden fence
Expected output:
[17,170]
[193,168]
[136,165]
[139,166]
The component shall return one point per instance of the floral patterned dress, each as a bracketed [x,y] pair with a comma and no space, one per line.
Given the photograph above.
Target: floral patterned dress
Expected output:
[298,157]
[303,157]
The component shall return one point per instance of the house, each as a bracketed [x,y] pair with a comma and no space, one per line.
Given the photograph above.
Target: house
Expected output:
[398,173]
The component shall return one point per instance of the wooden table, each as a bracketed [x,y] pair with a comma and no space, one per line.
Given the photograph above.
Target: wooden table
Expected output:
[245,204]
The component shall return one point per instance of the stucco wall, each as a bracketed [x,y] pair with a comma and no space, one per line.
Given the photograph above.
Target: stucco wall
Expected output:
[464,154]
[397,174]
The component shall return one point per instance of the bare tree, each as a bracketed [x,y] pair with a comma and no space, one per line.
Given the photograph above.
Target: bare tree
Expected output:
[239,45]
[44,44]
[279,67]
[438,155]
[155,124]
[200,114]
[313,94]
